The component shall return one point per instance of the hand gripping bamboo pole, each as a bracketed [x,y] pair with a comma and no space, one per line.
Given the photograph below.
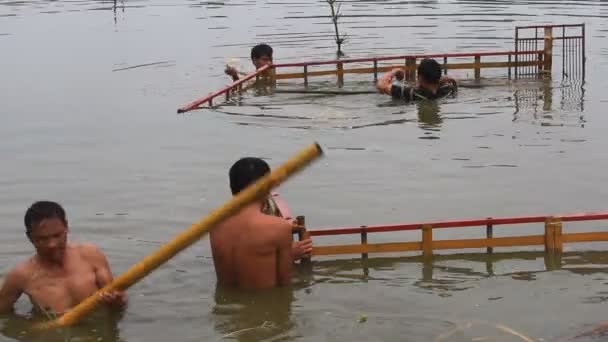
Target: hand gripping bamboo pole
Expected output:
[186,238]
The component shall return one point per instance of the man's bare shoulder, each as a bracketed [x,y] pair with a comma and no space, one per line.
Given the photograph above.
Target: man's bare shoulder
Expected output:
[279,227]
[88,251]
[21,272]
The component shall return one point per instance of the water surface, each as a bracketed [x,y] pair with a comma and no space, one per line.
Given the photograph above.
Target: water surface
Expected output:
[89,92]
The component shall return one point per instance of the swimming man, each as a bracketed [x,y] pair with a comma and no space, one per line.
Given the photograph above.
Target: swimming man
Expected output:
[430,84]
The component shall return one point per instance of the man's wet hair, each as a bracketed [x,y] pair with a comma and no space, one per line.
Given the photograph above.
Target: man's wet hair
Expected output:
[40,211]
[429,70]
[261,50]
[245,172]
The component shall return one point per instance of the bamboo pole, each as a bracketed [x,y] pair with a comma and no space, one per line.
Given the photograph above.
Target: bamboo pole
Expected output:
[186,238]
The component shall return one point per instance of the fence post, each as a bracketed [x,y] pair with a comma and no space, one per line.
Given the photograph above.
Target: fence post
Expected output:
[427,240]
[548,50]
[553,235]
[375,71]
[340,68]
[410,69]
[559,242]
[549,235]
[489,235]
[477,67]
[364,241]
[302,235]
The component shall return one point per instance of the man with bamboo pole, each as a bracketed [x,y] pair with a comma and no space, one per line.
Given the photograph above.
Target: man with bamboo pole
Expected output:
[60,274]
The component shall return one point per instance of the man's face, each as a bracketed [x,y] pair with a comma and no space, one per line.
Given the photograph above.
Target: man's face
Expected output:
[262,61]
[49,237]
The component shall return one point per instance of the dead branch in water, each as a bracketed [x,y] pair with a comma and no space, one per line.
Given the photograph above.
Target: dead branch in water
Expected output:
[335,15]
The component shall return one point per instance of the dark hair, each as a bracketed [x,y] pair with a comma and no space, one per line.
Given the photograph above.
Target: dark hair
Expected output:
[429,70]
[245,172]
[261,50]
[40,211]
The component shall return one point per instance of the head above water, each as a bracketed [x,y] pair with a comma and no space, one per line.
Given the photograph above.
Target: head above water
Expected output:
[261,55]
[46,226]
[429,72]
[245,172]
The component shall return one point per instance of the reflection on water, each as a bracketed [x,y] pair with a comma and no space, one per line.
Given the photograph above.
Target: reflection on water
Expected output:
[440,275]
[101,325]
[244,316]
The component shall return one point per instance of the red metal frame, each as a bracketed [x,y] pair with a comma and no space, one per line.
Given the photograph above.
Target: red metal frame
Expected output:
[594,216]
[458,224]
[388,58]
[234,85]
[209,98]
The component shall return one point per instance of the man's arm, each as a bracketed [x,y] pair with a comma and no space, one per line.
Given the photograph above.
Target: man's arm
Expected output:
[385,83]
[11,290]
[232,72]
[449,81]
[284,254]
[103,275]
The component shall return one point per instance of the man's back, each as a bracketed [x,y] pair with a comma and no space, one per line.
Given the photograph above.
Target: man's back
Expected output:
[252,250]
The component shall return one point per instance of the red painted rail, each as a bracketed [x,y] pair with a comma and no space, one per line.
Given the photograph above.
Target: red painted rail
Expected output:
[209,98]
[458,224]
[388,58]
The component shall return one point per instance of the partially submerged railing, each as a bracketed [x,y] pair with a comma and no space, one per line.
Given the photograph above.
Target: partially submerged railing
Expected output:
[529,58]
[572,39]
[409,64]
[226,90]
[553,238]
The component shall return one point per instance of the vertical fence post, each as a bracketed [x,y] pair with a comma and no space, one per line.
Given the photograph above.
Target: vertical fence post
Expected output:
[490,235]
[364,241]
[340,68]
[427,240]
[302,235]
[549,235]
[477,67]
[445,65]
[548,50]
[306,76]
[559,242]
[410,69]
[516,51]
[375,71]
[553,235]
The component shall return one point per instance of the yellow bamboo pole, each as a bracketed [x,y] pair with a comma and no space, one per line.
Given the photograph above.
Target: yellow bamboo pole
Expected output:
[186,238]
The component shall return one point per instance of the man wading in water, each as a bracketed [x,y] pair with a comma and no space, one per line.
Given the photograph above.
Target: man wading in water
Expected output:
[430,84]
[60,275]
[252,249]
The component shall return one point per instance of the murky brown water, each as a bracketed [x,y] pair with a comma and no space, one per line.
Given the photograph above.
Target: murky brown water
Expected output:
[81,126]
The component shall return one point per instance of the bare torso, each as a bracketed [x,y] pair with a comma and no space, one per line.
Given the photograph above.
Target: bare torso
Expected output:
[246,249]
[60,287]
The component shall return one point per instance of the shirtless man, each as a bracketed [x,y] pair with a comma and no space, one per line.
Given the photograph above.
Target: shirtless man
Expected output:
[60,275]
[430,84]
[252,250]
[261,55]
